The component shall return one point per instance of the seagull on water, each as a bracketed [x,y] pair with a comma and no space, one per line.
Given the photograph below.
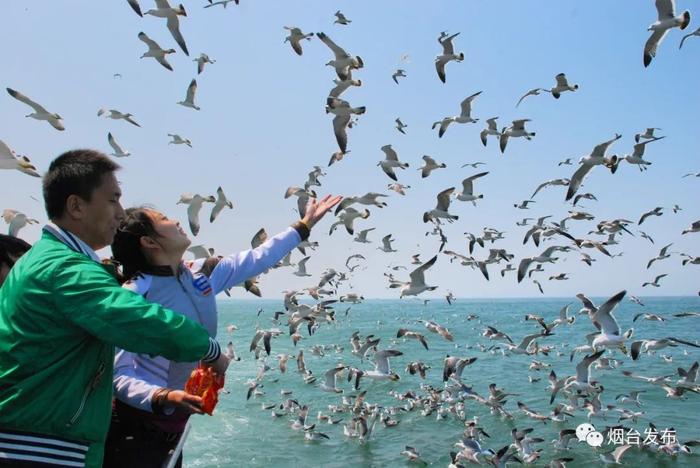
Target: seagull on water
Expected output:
[667,19]
[156,51]
[164,10]
[40,113]
[10,160]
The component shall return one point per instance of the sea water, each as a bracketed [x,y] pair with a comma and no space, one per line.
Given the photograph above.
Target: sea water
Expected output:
[241,433]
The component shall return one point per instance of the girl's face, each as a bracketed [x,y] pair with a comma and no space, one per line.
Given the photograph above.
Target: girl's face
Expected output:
[171,237]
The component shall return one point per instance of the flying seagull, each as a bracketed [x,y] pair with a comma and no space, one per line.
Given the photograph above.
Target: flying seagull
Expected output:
[667,19]
[39,112]
[164,10]
[155,51]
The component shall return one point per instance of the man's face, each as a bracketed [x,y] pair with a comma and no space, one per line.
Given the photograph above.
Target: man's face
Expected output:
[103,213]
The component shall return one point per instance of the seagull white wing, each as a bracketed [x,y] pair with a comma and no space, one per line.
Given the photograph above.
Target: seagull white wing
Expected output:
[652,44]
[191,91]
[221,202]
[582,368]
[330,376]
[174,27]
[418,275]
[152,45]
[577,179]
[443,199]
[604,314]
[561,80]
[337,50]
[340,123]
[447,46]
[193,216]
[301,264]
[468,183]
[38,108]
[391,155]
[666,9]
[115,146]
[519,124]
[382,360]
[466,105]
[6,153]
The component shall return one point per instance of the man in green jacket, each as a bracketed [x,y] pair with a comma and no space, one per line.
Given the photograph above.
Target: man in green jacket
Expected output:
[62,313]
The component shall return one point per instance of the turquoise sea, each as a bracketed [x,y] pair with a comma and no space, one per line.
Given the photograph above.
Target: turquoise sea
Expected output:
[241,433]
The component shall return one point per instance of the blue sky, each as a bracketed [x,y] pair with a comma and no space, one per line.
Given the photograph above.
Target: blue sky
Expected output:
[262,125]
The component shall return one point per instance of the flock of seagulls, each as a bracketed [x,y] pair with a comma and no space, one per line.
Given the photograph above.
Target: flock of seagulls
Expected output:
[451,395]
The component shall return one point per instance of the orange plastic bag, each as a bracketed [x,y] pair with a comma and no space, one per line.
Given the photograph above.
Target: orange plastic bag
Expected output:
[205,383]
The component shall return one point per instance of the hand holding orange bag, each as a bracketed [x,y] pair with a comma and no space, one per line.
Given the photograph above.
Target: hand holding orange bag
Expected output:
[205,383]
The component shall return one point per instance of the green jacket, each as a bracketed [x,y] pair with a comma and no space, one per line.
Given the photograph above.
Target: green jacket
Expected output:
[61,315]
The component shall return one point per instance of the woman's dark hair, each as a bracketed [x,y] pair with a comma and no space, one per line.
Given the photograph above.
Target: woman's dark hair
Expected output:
[77,172]
[126,247]
[11,248]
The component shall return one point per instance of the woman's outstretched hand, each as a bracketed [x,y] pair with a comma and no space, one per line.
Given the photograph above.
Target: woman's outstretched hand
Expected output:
[316,209]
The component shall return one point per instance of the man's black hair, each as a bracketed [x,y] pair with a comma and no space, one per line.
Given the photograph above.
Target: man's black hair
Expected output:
[76,172]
